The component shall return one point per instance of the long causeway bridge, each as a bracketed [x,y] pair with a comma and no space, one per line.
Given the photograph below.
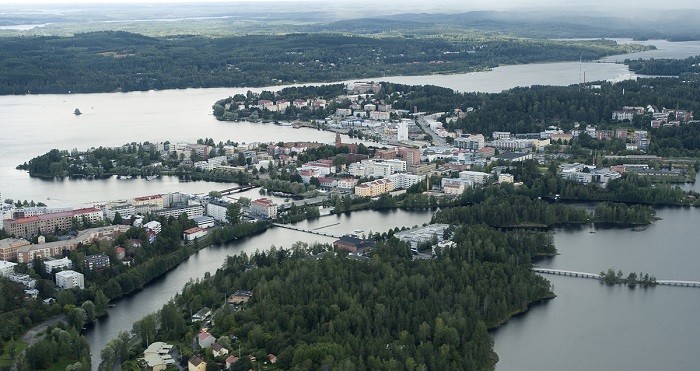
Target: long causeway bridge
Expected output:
[312,231]
[561,272]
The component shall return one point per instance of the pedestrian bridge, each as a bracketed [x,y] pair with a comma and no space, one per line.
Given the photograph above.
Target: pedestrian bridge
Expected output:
[566,273]
[312,231]
[561,272]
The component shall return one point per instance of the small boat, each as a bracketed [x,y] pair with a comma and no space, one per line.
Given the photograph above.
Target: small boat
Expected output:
[358,231]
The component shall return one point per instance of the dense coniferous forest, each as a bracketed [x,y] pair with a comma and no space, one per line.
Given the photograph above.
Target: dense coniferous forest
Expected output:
[386,312]
[109,61]
[665,67]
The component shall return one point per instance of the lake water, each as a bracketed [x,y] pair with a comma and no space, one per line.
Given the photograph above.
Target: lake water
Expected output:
[587,326]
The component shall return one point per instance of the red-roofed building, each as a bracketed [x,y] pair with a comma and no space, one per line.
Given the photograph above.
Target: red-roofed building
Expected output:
[327,182]
[231,360]
[192,233]
[264,207]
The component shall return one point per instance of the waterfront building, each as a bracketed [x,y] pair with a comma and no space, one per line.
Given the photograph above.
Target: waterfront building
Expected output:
[264,207]
[204,222]
[353,243]
[374,188]
[193,233]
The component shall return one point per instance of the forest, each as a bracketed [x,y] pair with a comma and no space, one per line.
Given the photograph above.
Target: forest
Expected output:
[108,61]
[387,312]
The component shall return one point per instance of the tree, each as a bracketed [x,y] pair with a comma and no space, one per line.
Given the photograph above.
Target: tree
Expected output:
[339,161]
[233,213]
[77,318]
[117,219]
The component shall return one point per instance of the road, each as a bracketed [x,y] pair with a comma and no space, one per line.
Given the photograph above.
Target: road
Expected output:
[437,140]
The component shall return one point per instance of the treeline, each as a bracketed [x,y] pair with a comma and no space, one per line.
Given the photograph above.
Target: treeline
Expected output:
[388,312]
[107,61]
[630,188]
[632,279]
[609,212]
[665,67]
[60,345]
[512,210]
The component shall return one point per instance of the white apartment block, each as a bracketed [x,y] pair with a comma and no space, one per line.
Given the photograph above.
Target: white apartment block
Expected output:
[217,210]
[6,268]
[58,264]
[70,279]
[476,177]
[404,180]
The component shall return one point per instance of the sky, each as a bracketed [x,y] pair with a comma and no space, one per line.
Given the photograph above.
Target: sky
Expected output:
[475,4]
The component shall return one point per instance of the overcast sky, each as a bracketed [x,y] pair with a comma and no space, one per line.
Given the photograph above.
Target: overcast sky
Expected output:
[464,4]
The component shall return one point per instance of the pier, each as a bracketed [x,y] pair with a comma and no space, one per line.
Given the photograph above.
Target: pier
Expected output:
[561,272]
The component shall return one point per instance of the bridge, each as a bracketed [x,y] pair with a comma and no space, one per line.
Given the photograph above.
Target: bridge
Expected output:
[566,273]
[242,188]
[312,231]
[561,272]
[678,283]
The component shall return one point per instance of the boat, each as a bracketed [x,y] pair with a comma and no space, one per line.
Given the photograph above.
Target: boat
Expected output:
[151,177]
[358,231]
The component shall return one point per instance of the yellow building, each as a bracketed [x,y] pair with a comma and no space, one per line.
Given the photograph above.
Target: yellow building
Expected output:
[196,364]
[374,188]
[9,246]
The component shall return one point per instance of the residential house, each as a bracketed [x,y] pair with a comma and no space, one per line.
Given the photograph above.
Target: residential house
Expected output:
[217,350]
[240,297]
[230,361]
[205,339]
[196,364]
[202,314]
